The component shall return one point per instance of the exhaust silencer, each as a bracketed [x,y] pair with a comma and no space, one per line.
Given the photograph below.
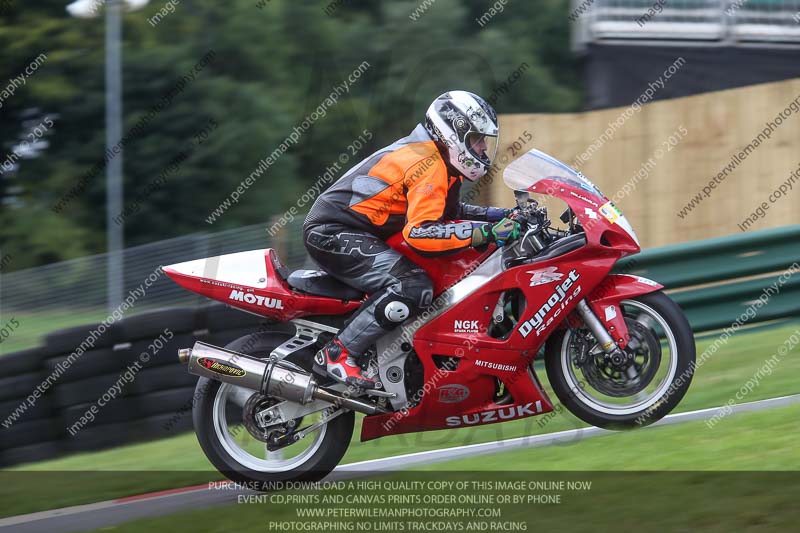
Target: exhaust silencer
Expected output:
[270,378]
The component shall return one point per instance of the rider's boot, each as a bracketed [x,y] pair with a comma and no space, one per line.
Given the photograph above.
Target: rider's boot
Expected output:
[335,361]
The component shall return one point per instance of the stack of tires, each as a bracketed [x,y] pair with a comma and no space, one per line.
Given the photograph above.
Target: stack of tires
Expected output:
[29,428]
[128,387]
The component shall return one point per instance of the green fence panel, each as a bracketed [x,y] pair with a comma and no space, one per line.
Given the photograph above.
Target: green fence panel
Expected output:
[718,259]
[724,261]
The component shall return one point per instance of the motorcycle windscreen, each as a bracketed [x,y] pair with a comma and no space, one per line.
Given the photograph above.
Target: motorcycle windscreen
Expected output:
[535,166]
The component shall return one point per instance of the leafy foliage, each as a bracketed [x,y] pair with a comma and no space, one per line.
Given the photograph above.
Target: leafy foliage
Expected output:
[274,62]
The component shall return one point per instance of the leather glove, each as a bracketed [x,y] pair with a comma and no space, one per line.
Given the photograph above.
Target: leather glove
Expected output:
[500,233]
[495,214]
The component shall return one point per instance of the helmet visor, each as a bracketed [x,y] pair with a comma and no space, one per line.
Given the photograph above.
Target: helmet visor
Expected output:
[482,147]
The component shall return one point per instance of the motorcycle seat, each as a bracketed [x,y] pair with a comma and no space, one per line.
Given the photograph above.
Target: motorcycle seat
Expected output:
[319,283]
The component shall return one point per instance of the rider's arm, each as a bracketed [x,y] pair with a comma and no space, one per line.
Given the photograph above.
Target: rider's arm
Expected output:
[478,212]
[425,231]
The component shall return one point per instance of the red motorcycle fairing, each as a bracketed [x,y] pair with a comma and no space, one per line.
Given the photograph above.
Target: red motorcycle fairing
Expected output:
[462,332]
[466,395]
[444,271]
[605,301]
[251,281]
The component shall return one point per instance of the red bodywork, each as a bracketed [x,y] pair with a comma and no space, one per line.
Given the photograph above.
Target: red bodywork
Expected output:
[286,303]
[464,396]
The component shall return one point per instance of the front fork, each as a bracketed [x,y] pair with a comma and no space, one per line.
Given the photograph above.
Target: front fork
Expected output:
[600,333]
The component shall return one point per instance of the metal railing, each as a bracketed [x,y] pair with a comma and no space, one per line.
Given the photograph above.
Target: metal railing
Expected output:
[699,21]
[74,292]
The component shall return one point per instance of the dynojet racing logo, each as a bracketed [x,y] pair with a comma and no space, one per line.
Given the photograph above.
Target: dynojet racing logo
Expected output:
[552,308]
[226,369]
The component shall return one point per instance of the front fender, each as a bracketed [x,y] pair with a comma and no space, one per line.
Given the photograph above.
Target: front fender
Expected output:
[605,298]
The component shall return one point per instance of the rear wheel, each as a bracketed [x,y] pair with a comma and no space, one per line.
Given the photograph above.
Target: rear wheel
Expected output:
[642,389]
[237,446]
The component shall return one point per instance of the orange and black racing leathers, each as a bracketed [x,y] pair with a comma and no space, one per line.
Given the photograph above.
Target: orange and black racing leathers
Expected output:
[406,187]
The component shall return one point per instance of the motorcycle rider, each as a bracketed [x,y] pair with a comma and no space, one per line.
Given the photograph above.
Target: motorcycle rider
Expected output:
[412,186]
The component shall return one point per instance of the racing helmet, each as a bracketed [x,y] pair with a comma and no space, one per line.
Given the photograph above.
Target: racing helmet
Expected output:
[465,128]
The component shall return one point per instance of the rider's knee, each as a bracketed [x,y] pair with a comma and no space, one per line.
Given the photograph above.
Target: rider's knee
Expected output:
[414,292]
[418,287]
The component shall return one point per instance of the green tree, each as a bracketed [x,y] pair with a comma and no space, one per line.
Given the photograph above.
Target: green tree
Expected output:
[272,66]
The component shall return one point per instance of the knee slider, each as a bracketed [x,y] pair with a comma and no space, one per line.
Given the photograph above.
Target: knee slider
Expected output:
[393,309]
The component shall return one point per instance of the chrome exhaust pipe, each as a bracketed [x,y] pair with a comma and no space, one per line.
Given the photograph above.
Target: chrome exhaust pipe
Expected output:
[268,377]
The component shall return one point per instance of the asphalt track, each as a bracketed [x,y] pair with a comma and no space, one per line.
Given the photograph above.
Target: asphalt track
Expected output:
[113,512]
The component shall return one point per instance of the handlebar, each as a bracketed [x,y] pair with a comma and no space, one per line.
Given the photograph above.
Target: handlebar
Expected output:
[537,232]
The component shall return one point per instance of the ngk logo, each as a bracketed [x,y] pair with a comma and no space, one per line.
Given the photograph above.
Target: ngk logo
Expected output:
[248,297]
[465,326]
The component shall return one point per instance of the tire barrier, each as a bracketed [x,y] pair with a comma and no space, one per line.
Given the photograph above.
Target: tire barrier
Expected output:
[151,405]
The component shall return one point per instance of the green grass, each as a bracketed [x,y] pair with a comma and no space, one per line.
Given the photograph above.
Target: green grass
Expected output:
[680,497]
[757,441]
[34,326]
[181,462]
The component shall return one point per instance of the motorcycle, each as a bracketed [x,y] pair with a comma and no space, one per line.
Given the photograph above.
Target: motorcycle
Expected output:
[618,352]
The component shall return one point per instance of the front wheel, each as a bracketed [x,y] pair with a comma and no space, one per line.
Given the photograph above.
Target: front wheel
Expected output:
[645,387]
[237,447]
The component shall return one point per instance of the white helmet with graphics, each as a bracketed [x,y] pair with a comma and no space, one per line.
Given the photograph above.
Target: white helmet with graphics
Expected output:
[466,130]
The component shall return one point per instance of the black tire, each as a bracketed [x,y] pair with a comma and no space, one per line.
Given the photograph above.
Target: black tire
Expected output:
[123,409]
[32,453]
[684,340]
[167,354]
[337,437]
[163,377]
[22,362]
[91,364]
[19,386]
[66,341]
[27,433]
[225,337]
[89,390]
[218,317]
[165,401]
[152,323]
[41,408]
